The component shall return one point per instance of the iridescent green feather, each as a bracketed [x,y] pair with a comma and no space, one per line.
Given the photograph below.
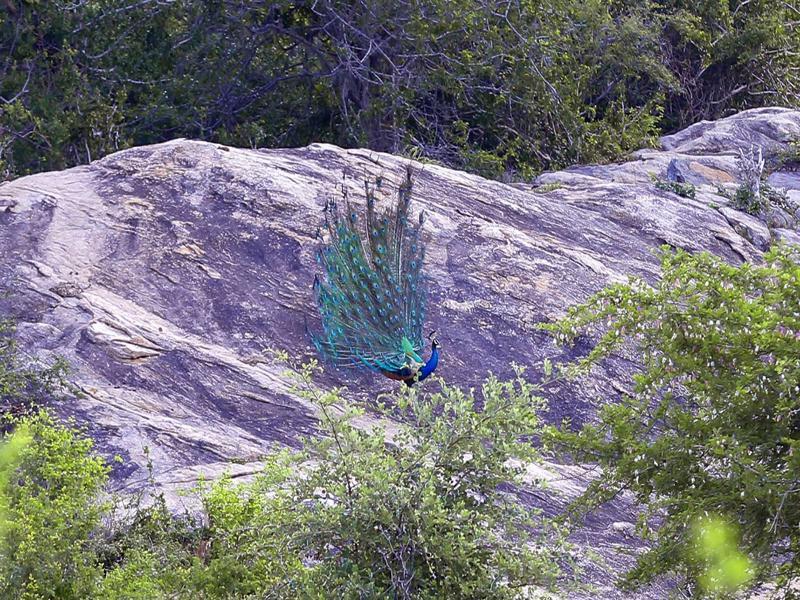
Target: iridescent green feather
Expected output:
[372,296]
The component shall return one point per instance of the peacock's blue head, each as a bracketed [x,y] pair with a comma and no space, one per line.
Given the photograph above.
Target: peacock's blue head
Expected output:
[434,339]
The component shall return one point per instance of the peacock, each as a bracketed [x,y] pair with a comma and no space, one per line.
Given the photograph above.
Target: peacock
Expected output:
[371,298]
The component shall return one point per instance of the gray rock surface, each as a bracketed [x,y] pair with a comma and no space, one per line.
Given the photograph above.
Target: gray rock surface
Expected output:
[749,227]
[765,127]
[167,274]
[788,236]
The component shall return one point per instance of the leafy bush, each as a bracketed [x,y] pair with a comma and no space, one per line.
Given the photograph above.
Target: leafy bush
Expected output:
[432,506]
[10,452]
[147,551]
[432,513]
[52,508]
[712,425]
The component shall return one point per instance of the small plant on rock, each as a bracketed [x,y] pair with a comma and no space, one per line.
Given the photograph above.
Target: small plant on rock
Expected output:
[754,195]
[682,189]
[787,159]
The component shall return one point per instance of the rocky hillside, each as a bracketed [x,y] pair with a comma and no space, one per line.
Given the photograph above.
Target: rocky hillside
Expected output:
[167,274]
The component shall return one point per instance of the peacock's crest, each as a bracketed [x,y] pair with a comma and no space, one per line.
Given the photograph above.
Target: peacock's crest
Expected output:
[371,297]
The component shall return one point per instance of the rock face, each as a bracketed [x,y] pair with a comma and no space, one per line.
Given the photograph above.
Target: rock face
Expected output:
[166,275]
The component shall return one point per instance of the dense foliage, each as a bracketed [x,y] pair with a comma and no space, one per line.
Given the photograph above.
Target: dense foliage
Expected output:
[51,509]
[712,422]
[498,87]
[431,514]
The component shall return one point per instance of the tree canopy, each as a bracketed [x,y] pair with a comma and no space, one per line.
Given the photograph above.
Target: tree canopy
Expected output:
[712,423]
[502,88]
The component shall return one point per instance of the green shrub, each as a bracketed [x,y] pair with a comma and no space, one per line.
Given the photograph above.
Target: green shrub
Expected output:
[10,455]
[684,190]
[138,577]
[427,515]
[712,425]
[148,551]
[748,200]
[52,508]
[429,508]
[758,201]
[426,509]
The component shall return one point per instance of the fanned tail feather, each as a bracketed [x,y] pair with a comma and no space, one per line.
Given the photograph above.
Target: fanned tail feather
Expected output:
[373,292]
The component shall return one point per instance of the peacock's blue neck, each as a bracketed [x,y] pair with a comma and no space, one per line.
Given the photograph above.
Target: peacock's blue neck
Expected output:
[430,366]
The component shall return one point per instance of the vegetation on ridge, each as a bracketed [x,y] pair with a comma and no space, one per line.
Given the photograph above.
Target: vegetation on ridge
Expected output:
[495,87]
